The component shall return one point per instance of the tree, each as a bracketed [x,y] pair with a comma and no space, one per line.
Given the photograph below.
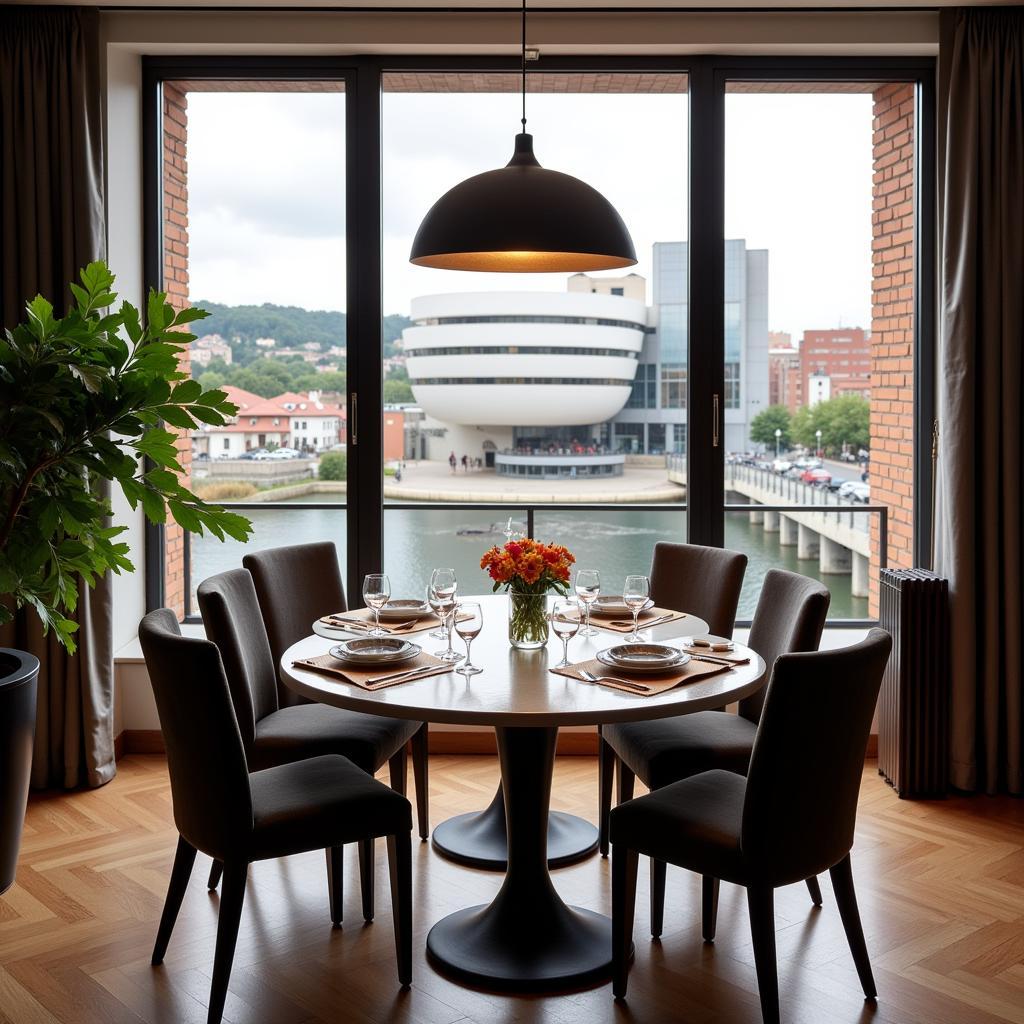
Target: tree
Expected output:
[396,391]
[333,466]
[766,422]
[843,420]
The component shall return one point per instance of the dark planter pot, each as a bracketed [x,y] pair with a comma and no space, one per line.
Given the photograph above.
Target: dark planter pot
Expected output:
[19,673]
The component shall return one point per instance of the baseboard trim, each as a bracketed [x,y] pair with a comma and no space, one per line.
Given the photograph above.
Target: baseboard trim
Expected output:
[570,744]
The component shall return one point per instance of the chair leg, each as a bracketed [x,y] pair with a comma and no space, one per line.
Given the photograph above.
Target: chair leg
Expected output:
[846,900]
[184,858]
[626,779]
[400,867]
[658,872]
[605,780]
[216,870]
[624,870]
[232,895]
[399,769]
[814,889]
[709,907]
[335,881]
[761,903]
[419,775]
[366,858]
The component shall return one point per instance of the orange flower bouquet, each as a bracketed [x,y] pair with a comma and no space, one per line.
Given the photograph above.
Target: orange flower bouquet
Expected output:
[528,570]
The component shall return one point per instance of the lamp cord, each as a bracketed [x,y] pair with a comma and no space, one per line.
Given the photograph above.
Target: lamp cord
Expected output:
[524,67]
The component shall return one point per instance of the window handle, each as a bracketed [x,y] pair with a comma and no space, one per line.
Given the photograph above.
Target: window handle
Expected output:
[714,421]
[354,418]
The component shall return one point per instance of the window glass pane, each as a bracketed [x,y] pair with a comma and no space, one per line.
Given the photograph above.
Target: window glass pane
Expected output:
[258,240]
[819,292]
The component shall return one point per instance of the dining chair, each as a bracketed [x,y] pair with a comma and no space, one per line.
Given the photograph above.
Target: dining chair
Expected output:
[704,581]
[274,735]
[297,584]
[238,817]
[789,617]
[791,817]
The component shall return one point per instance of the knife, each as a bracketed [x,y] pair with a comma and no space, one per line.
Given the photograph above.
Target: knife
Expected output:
[409,674]
[642,625]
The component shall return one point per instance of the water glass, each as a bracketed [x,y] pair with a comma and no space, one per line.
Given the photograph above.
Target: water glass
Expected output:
[635,594]
[376,594]
[588,589]
[443,581]
[566,614]
[469,620]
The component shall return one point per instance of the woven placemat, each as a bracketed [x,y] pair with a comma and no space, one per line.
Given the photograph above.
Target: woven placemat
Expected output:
[377,678]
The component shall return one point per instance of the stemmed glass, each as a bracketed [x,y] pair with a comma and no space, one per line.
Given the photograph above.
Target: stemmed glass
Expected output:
[635,594]
[566,614]
[469,620]
[443,581]
[588,587]
[376,594]
[441,597]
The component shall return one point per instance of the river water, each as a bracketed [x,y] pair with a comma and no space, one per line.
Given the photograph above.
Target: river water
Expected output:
[615,542]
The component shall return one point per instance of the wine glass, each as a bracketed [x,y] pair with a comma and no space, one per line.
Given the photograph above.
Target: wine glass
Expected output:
[635,594]
[588,587]
[565,621]
[469,620]
[376,594]
[442,580]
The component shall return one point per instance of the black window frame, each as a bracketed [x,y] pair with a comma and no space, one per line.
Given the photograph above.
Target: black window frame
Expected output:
[707,79]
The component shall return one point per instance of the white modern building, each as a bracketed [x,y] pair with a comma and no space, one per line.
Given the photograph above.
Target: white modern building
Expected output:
[515,370]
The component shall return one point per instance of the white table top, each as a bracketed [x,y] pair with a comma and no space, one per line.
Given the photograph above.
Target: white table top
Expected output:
[516,688]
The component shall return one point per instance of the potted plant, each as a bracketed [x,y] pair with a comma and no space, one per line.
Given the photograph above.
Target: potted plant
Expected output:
[83,403]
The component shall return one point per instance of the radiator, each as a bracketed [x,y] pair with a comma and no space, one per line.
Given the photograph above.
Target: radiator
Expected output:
[913,711]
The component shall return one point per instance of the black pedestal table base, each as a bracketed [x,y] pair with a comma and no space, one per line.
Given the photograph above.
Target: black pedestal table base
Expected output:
[527,939]
[479,839]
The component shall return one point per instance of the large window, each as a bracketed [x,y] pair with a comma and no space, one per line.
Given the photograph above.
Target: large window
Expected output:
[783,284]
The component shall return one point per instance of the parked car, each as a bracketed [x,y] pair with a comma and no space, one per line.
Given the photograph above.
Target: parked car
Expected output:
[817,477]
[808,462]
[835,483]
[861,493]
[781,465]
[845,489]
[202,457]
[259,454]
[282,454]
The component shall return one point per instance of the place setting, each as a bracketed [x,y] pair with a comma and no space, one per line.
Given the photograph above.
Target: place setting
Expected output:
[628,612]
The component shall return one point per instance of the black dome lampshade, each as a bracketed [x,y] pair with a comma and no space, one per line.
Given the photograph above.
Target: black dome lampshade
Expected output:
[523,218]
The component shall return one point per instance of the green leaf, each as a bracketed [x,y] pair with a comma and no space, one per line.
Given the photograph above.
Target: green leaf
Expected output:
[153,505]
[187,316]
[176,416]
[187,391]
[48,518]
[201,412]
[184,516]
[215,398]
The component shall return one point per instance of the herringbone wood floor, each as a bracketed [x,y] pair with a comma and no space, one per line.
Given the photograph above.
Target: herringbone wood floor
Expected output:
[941,889]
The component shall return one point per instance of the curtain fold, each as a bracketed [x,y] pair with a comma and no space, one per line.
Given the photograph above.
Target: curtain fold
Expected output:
[52,224]
[981,391]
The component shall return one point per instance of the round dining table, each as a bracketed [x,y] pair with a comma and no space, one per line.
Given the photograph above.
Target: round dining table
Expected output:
[526,939]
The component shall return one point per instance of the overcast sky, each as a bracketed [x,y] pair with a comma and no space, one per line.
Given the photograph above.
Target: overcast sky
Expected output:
[267,211]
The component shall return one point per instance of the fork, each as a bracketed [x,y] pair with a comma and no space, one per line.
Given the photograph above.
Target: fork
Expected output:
[591,678]
[642,625]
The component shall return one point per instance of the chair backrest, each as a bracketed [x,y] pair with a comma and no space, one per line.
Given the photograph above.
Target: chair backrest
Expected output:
[808,758]
[231,616]
[295,585]
[789,617]
[701,580]
[205,759]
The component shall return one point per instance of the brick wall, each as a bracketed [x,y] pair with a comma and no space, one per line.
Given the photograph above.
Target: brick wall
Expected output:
[892,325]
[175,283]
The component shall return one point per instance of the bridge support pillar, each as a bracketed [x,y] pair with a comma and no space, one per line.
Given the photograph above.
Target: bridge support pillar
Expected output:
[756,518]
[771,522]
[808,542]
[835,559]
[788,530]
[860,583]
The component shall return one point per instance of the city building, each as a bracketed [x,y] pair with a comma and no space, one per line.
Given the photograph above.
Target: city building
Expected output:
[785,375]
[209,347]
[843,355]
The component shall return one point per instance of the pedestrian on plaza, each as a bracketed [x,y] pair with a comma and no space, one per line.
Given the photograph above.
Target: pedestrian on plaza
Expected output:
[465,463]
[452,461]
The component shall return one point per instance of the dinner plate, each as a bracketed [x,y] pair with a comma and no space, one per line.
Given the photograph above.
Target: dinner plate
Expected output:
[370,650]
[403,611]
[613,606]
[644,664]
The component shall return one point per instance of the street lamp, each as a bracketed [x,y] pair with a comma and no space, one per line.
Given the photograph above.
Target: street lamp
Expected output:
[817,434]
[778,438]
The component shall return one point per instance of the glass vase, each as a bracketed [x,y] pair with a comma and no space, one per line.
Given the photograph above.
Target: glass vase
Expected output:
[527,620]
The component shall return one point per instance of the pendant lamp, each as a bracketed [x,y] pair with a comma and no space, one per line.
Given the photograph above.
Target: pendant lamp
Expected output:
[523,218]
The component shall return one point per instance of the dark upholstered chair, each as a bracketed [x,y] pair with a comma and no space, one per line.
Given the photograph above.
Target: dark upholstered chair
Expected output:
[237,817]
[790,616]
[792,817]
[297,584]
[273,735]
[690,578]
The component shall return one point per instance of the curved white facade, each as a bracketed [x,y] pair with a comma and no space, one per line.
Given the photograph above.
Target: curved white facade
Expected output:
[523,358]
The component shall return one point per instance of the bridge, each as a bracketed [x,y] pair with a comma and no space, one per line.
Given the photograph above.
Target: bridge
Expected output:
[812,519]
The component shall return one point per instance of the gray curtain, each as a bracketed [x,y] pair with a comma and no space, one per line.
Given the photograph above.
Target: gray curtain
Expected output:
[51,224]
[981,391]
